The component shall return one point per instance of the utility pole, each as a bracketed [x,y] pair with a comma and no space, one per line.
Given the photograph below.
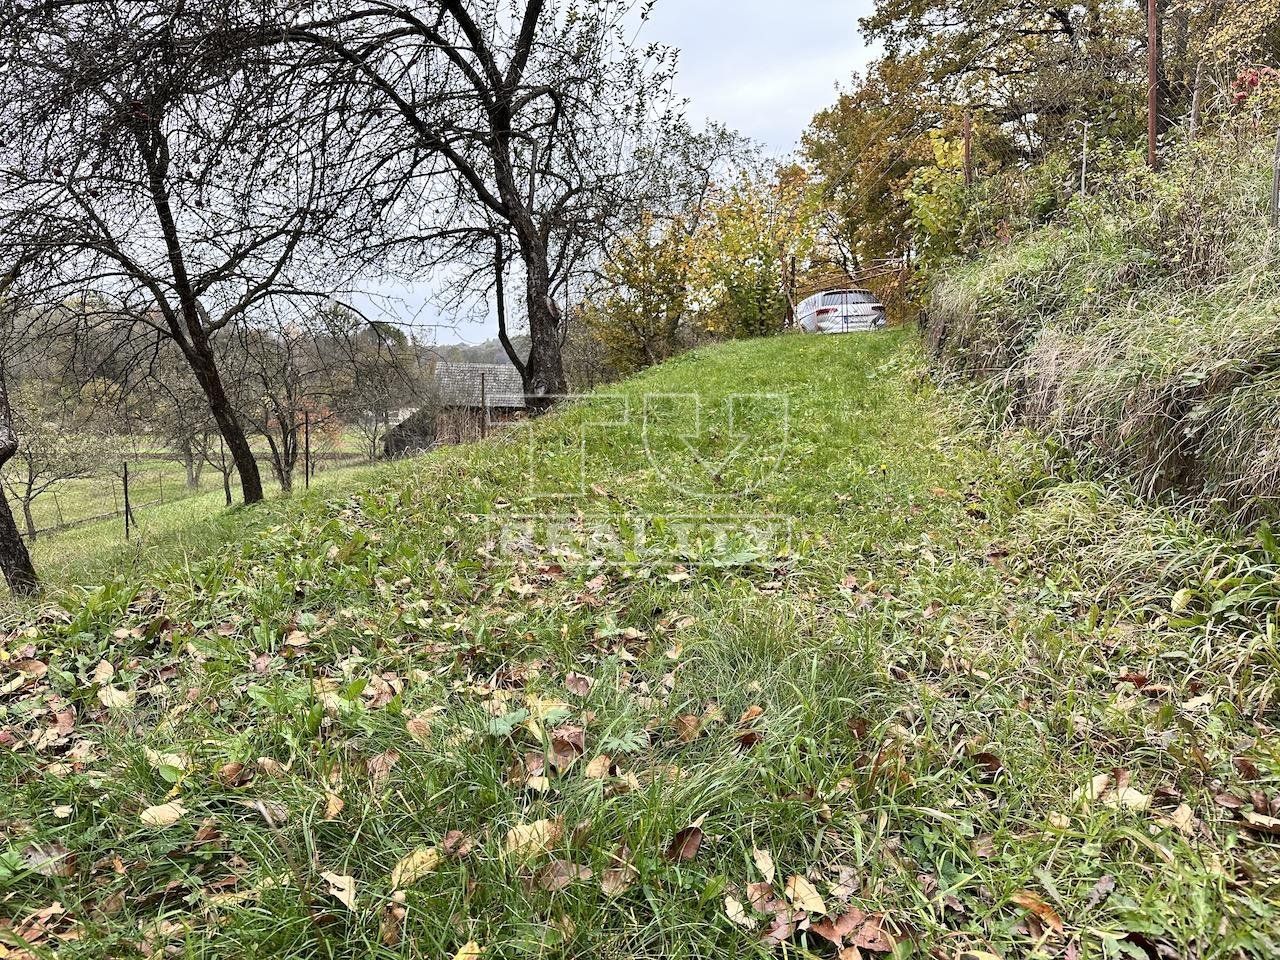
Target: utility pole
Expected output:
[1155,106]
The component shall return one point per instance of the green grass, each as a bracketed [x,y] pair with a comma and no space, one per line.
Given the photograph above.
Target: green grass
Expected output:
[924,636]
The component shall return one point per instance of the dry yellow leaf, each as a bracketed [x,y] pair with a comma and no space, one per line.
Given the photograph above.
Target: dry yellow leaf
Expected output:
[804,896]
[764,861]
[469,951]
[414,866]
[342,888]
[530,840]
[737,913]
[164,814]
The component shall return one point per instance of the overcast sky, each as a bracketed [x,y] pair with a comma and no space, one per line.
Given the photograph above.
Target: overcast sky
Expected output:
[761,67]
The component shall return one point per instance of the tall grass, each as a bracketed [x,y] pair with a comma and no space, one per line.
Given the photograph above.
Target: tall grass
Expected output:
[1142,330]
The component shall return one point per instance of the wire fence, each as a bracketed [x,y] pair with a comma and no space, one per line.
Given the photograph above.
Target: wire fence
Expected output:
[145,482]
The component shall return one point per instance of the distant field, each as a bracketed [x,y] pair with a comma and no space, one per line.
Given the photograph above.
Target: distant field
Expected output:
[156,481]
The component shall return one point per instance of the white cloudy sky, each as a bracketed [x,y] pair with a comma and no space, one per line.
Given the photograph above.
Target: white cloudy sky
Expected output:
[762,67]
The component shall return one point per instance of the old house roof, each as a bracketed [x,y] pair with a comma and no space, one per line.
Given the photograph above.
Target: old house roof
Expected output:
[460,385]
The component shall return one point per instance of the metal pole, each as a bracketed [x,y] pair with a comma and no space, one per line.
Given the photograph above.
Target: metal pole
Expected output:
[306,431]
[484,409]
[1153,84]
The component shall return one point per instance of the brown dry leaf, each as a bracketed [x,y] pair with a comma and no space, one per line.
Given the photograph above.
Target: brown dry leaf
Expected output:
[457,844]
[839,929]
[846,883]
[559,874]
[1261,822]
[1127,798]
[1032,902]
[781,929]
[598,769]
[804,896]
[163,815]
[737,914]
[688,727]
[102,673]
[750,715]
[1183,819]
[392,925]
[234,774]
[1092,790]
[685,844]
[419,728]
[342,888]
[578,683]
[275,814]
[873,936]
[113,698]
[50,860]
[414,866]
[764,863]
[530,840]
[379,768]
[619,877]
[763,898]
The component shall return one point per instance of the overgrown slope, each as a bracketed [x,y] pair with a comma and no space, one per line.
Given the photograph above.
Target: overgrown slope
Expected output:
[1143,329]
[653,681]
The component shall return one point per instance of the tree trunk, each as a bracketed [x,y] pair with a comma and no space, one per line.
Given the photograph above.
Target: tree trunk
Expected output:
[544,370]
[30,521]
[15,561]
[206,371]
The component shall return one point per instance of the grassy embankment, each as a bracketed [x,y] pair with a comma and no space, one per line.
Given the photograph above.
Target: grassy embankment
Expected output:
[1141,328]
[936,696]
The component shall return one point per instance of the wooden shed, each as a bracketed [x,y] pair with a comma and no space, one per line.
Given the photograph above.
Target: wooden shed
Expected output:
[473,395]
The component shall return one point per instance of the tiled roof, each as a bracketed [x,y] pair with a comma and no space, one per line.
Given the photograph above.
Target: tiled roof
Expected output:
[460,386]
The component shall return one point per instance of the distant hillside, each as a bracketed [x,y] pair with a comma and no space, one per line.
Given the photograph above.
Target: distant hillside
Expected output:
[490,351]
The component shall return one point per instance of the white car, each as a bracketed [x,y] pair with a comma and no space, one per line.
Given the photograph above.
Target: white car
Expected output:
[841,311]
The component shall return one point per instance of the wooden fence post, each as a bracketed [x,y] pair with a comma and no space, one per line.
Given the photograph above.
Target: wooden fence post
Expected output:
[306,433]
[1084,162]
[1154,106]
[1275,187]
[484,409]
[128,512]
[967,129]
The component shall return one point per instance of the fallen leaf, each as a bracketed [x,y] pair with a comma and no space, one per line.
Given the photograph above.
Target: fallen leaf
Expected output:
[598,768]
[619,877]
[469,951]
[685,844]
[1092,790]
[1032,902]
[1101,890]
[530,840]
[113,698]
[1183,819]
[873,936]
[414,866]
[379,768]
[559,874]
[838,929]
[392,926]
[1261,822]
[333,805]
[737,914]
[764,863]
[578,683]
[804,896]
[164,814]
[50,860]
[342,888]
[457,844]
[1127,798]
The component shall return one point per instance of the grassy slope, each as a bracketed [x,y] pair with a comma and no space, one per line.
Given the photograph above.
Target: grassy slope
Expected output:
[1140,328]
[942,657]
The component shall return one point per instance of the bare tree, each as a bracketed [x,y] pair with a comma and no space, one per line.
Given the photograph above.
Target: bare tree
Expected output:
[15,559]
[184,187]
[518,115]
